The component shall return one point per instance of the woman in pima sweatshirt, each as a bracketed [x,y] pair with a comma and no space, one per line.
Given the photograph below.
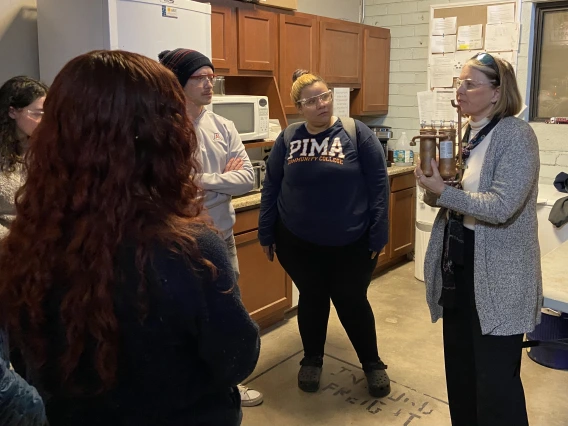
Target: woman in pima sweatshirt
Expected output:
[324,212]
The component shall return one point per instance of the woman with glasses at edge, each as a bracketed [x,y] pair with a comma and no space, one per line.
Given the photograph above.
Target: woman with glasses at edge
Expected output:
[324,212]
[482,266]
[21,109]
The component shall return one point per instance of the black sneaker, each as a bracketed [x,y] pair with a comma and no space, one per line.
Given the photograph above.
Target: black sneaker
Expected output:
[378,381]
[309,374]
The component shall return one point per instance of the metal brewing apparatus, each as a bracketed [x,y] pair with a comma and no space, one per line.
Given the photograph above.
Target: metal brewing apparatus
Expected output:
[447,140]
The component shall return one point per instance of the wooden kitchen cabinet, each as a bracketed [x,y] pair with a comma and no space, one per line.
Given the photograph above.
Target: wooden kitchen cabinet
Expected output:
[384,255]
[244,40]
[373,97]
[340,55]
[299,41]
[266,289]
[254,41]
[402,217]
[257,40]
[224,39]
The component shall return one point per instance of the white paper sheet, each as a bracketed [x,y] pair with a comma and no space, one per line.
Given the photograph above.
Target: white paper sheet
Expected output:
[341,101]
[443,44]
[425,106]
[470,37]
[442,70]
[457,70]
[440,60]
[443,109]
[501,13]
[510,57]
[437,106]
[501,37]
[462,56]
[444,26]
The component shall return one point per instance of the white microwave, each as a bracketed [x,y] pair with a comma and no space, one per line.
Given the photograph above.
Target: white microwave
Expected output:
[248,112]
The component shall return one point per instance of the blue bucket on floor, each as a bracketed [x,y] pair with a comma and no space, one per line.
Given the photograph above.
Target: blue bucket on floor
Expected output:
[550,328]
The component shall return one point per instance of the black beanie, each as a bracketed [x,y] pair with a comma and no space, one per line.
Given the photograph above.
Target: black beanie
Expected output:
[184,62]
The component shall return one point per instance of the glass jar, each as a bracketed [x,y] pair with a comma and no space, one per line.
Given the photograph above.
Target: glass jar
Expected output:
[219,85]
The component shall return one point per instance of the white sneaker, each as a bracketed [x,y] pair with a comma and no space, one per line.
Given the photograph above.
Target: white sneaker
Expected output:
[249,397]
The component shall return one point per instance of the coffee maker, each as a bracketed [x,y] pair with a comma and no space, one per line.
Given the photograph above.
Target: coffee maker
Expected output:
[384,133]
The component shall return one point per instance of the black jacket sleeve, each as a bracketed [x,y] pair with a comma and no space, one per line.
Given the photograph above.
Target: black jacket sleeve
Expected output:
[374,168]
[227,339]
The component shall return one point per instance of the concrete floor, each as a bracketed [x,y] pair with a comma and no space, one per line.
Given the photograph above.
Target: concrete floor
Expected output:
[411,346]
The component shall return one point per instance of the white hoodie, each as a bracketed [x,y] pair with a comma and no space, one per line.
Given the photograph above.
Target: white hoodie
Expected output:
[219,142]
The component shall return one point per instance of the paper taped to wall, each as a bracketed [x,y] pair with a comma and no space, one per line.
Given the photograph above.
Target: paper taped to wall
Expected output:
[444,26]
[437,106]
[425,106]
[442,70]
[470,37]
[443,109]
[502,37]
[510,57]
[463,56]
[501,13]
[341,101]
[443,44]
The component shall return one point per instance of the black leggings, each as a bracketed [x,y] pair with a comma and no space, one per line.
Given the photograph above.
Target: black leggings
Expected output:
[321,273]
[483,372]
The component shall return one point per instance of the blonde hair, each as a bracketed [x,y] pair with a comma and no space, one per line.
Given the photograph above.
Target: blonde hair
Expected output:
[510,101]
[302,79]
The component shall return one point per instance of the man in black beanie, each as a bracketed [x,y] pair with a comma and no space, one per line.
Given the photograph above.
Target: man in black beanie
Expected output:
[227,170]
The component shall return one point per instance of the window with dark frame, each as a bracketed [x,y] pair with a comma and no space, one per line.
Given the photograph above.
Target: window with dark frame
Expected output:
[549,86]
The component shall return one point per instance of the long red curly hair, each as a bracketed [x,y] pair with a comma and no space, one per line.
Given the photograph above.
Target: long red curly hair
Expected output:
[113,160]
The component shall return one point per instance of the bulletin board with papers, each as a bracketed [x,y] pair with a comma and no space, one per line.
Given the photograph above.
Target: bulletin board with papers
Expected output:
[458,32]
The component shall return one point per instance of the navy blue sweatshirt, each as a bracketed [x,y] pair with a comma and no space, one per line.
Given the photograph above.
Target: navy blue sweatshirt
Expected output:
[177,367]
[324,190]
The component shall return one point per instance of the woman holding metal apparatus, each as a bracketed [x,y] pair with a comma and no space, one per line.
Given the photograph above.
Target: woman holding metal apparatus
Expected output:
[482,267]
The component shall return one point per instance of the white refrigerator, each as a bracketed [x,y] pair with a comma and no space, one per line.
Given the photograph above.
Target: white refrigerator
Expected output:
[68,28]
[425,216]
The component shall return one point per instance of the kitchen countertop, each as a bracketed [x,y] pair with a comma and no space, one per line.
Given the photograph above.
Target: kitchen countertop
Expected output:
[554,284]
[250,201]
[400,170]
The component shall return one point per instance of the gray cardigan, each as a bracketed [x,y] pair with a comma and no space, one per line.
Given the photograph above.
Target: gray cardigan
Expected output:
[507,274]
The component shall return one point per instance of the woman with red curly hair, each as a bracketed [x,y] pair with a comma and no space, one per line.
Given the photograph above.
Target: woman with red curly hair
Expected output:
[119,297]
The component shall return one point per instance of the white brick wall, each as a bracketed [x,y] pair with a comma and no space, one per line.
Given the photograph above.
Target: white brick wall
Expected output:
[408,21]
[338,9]
[18,39]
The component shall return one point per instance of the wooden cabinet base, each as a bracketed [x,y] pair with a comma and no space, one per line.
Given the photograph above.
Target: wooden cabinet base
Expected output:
[402,214]
[266,289]
[274,318]
[389,264]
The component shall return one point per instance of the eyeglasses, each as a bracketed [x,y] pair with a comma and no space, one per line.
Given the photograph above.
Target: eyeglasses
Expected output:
[312,101]
[202,79]
[34,114]
[470,84]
